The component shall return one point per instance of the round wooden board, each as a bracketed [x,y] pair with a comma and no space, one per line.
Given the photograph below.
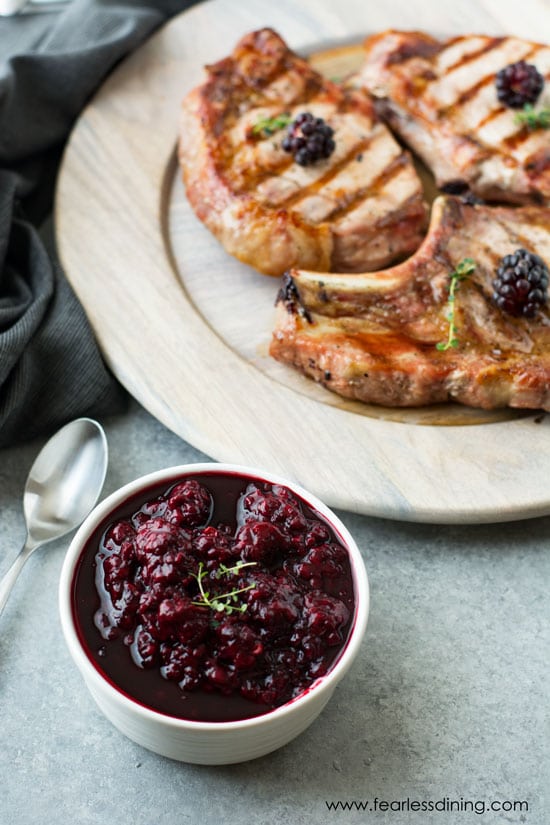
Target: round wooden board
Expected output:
[177,319]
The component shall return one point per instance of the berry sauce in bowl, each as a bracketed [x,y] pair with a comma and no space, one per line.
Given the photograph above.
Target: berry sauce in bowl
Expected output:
[213,598]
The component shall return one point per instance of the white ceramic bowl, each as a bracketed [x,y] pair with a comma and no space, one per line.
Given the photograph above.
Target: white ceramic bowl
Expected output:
[209,743]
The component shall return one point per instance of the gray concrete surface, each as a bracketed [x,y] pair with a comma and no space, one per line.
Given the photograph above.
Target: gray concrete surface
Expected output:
[448,703]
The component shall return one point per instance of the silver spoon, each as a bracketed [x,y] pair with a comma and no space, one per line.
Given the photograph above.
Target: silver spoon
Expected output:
[62,487]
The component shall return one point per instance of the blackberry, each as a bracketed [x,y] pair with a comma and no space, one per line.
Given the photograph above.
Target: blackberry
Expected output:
[521,283]
[309,139]
[518,84]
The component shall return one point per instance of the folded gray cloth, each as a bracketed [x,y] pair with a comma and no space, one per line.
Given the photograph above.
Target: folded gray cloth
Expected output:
[50,63]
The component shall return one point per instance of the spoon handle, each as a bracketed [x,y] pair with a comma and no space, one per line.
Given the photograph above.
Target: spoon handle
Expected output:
[9,578]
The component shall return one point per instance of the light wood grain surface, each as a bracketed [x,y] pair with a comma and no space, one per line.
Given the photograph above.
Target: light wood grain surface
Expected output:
[185,328]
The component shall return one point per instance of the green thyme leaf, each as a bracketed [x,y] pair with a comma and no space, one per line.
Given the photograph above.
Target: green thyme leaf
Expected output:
[221,602]
[532,119]
[269,125]
[462,271]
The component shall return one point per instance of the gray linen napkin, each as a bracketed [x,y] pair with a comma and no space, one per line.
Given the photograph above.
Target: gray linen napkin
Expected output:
[50,64]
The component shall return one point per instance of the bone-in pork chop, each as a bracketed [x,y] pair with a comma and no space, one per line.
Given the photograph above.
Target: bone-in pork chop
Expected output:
[361,208]
[374,337]
[441,98]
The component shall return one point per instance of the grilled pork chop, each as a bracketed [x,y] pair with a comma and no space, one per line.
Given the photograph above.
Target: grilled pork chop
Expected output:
[440,97]
[373,337]
[360,209]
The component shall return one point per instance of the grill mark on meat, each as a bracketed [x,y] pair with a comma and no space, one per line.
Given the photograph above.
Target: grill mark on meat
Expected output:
[450,53]
[461,109]
[513,140]
[376,333]
[318,185]
[282,179]
[470,93]
[490,116]
[516,137]
[500,54]
[249,192]
[347,201]
[373,189]
[258,174]
[474,55]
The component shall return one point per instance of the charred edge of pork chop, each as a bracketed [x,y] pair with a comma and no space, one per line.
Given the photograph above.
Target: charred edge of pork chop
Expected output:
[373,337]
[361,209]
[439,96]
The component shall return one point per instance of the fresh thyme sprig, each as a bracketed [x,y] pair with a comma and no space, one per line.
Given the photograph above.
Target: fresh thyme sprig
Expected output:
[270,125]
[463,270]
[222,602]
[532,119]
[227,571]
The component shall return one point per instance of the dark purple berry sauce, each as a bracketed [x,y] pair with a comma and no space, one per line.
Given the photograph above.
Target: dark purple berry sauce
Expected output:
[214,598]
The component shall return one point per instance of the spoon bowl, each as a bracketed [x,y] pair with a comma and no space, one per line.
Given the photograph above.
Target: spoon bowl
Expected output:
[62,487]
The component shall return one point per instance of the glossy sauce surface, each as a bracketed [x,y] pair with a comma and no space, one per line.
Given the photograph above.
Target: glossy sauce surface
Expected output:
[113,649]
